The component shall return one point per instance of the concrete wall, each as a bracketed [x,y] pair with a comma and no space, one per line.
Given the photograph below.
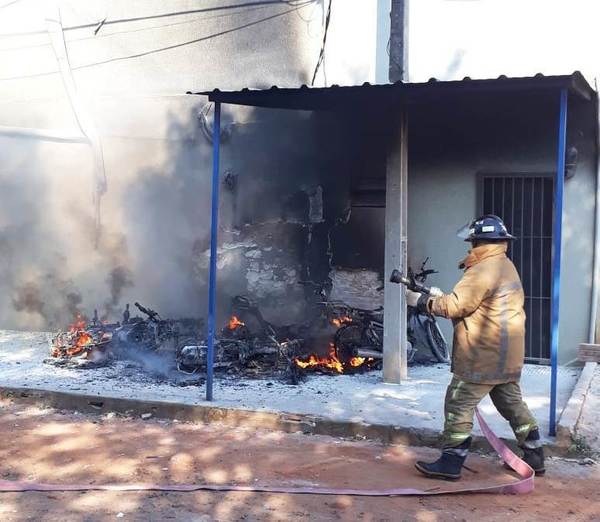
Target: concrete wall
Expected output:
[450,39]
[130,77]
[449,147]
[578,233]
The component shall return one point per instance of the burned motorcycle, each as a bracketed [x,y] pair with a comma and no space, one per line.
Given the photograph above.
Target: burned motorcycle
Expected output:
[422,328]
[150,334]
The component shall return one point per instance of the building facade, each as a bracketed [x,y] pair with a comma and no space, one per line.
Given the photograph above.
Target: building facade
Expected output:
[106,161]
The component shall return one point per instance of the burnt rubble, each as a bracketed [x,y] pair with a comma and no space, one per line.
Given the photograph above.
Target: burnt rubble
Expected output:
[332,341]
[96,342]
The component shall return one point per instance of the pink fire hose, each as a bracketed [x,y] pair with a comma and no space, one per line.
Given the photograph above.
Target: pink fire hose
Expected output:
[524,484]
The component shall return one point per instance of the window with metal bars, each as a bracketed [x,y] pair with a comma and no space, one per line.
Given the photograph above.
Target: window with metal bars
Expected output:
[525,203]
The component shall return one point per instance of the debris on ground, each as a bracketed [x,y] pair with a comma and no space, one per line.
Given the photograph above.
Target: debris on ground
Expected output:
[336,339]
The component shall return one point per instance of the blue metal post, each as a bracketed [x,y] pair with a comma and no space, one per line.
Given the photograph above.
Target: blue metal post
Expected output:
[212,278]
[556,253]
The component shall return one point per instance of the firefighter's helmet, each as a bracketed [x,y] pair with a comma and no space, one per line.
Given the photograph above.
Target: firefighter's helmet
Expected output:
[487,228]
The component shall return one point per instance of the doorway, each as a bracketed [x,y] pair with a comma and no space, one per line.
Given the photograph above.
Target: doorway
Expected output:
[525,202]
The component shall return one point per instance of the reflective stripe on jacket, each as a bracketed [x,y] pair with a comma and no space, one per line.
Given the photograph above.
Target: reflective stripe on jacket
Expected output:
[486,308]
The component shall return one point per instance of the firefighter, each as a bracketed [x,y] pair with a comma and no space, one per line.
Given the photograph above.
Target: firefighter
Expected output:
[486,308]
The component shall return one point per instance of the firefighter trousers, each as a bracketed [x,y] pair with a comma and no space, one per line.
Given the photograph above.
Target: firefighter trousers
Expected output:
[461,399]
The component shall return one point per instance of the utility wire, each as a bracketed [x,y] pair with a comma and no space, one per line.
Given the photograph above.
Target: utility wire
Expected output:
[131,31]
[86,125]
[392,58]
[322,52]
[8,4]
[289,3]
[183,44]
[162,49]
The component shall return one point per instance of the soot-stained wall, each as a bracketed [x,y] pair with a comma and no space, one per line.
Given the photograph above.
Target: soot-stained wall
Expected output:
[293,209]
[358,243]
[283,189]
[130,75]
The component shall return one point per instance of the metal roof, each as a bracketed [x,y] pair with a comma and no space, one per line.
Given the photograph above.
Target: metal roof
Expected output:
[320,98]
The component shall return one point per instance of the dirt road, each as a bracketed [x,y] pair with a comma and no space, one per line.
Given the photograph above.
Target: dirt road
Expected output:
[62,447]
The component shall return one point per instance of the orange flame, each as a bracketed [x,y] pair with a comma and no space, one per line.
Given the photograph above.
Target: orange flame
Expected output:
[355,362]
[331,361]
[79,324]
[339,321]
[234,323]
[77,341]
[83,339]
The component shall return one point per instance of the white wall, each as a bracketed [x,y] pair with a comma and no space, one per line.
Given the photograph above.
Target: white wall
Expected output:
[451,39]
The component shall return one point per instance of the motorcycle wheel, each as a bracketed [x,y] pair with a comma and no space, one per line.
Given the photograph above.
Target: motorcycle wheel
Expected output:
[435,340]
[346,339]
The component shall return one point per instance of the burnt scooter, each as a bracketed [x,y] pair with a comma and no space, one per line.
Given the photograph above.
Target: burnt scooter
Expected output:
[422,328]
[150,334]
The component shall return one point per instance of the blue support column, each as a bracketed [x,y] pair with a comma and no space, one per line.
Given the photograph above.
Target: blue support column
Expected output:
[212,278]
[559,184]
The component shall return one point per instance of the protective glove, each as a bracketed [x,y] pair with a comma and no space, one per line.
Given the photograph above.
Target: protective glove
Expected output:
[412,298]
[435,292]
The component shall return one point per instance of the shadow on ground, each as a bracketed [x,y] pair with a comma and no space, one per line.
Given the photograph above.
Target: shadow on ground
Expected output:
[48,446]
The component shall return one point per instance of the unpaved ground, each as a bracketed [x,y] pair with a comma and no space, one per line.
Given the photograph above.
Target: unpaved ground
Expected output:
[49,446]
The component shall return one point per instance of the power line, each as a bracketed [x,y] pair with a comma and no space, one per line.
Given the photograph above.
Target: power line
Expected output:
[193,11]
[166,48]
[294,3]
[391,55]
[29,76]
[322,52]
[130,31]
[183,44]
[8,4]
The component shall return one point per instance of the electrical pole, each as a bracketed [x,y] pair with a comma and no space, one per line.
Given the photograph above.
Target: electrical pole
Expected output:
[398,47]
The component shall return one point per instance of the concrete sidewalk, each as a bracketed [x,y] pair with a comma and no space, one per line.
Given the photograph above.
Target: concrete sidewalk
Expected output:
[416,405]
[587,429]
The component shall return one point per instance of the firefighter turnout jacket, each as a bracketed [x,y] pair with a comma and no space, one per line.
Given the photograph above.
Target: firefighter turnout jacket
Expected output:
[486,308]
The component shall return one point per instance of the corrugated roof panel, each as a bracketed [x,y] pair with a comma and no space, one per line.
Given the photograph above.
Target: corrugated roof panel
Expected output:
[335,96]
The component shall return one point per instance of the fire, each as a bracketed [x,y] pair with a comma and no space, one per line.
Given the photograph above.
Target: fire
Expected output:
[339,321]
[331,361]
[355,362]
[83,339]
[234,323]
[74,341]
[79,324]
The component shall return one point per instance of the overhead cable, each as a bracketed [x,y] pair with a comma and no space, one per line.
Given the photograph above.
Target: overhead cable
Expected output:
[162,49]
[322,52]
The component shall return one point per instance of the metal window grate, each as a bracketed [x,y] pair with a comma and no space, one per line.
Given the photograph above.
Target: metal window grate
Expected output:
[525,203]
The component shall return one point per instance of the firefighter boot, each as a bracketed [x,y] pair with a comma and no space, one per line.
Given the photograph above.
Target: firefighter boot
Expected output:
[533,453]
[449,465]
